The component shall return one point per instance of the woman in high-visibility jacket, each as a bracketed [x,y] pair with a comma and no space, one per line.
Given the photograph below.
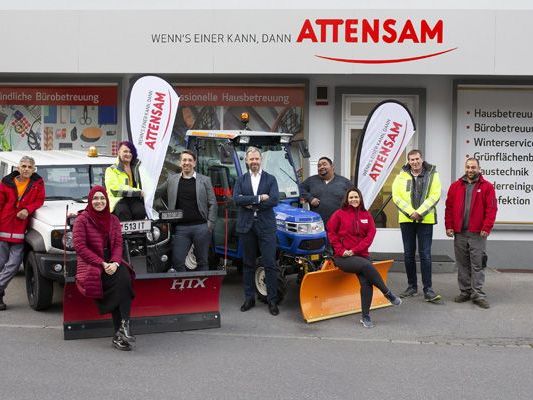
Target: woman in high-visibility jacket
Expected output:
[123,182]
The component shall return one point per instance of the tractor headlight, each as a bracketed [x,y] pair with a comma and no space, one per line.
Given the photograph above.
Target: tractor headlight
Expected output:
[311,227]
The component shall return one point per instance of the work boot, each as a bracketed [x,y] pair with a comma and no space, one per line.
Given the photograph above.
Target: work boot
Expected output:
[431,296]
[2,304]
[481,302]
[120,343]
[273,309]
[409,292]
[125,332]
[395,300]
[248,304]
[367,322]
[462,298]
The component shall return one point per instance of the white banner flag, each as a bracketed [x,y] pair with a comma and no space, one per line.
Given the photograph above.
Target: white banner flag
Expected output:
[152,109]
[388,129]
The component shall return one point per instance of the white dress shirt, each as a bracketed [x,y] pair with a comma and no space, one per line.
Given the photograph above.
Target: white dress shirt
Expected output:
[255,181]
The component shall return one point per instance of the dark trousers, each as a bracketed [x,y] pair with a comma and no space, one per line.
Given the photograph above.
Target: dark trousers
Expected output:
[118,294]
[368,277]
[423,233]
[184,237]
[266,242]
[469,251]
[130,209]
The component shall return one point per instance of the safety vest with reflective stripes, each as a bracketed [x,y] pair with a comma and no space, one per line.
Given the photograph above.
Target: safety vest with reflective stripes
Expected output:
[431,192]
[117,182]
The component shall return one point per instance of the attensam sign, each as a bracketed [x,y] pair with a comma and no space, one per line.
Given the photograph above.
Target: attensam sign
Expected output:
[152,109]
[388,129]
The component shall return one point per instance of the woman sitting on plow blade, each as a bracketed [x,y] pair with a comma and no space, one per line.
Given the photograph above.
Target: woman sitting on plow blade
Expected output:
[351,230]
[101,273]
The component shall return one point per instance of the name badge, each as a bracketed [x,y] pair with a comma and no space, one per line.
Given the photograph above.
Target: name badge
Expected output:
[364,221]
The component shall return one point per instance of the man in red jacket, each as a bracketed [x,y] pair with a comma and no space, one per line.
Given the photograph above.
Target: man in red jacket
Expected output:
[470,214]
[21,193]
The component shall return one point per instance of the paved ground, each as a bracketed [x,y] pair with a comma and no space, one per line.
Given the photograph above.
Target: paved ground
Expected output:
[416,351]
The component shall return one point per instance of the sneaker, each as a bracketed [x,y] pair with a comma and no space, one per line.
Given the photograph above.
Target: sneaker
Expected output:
[367,322]
[462,298]
[395,300]
[481,302]
[2,304]
[430,295]
[409,292]
[120,344]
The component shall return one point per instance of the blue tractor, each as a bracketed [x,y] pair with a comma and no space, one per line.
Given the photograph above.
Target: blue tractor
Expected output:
[301,237]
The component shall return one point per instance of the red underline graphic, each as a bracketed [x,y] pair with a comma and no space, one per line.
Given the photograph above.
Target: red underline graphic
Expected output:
[390,61]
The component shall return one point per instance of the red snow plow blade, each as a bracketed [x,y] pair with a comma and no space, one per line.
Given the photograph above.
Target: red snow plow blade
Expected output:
[331,293]
[164,302]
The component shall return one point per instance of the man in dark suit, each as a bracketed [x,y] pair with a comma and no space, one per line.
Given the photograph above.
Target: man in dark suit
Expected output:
[256,194]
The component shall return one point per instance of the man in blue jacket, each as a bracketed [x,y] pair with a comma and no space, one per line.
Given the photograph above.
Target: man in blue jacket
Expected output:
[256,194]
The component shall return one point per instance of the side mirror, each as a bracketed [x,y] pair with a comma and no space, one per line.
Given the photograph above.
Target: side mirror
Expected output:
[225,154]
[303,148]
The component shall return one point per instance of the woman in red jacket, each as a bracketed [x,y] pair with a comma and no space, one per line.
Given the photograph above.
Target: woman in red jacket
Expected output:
[351,230]
[101,273]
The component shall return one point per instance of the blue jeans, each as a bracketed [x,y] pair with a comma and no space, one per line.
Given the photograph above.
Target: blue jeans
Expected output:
[411,232]
[184,237]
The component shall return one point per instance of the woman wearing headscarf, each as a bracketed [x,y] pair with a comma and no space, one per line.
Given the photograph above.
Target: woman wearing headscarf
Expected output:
[101,272]
[351,231]
[123,181]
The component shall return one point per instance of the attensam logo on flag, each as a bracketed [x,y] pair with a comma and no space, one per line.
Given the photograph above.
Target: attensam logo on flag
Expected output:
[153,104]
[388,129]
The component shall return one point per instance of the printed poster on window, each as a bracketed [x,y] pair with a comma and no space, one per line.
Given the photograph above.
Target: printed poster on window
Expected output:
[495,125]
[271,108]
[58,118]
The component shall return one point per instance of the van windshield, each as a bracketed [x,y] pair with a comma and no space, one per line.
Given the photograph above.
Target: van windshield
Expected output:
[70,182]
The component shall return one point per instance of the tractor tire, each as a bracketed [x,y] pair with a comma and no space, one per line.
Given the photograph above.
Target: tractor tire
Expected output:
[260,284]
[39,289]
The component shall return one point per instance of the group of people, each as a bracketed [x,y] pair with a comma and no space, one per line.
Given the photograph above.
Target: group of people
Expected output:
[470,214]
[103,274]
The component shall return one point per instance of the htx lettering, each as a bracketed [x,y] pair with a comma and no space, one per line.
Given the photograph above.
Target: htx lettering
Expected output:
[370,31]
[156,112]
[384,152]
[188,283]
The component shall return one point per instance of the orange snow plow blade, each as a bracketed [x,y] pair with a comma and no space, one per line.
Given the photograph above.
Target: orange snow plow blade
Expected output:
[331,293]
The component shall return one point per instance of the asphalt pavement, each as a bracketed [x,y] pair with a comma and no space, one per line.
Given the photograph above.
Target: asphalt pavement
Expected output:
[418,350]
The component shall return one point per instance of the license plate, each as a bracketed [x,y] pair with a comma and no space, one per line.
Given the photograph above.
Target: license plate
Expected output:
[144,225]
[171,214]
[315,257]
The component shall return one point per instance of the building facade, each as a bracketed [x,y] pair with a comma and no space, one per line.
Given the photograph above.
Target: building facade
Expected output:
[313,69]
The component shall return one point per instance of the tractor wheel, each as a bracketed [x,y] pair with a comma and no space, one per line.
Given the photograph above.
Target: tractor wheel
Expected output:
[260,283]
[38,288]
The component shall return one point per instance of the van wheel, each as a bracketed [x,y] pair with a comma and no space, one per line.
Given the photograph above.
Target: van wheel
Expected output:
[261,287]
[39,289]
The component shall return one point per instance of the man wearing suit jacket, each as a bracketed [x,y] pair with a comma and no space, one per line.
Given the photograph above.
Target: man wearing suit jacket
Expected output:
[192,193]
[256,194]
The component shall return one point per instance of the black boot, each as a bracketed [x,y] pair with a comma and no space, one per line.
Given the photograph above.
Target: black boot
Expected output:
[125,332]
[2,304]
[120,344]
